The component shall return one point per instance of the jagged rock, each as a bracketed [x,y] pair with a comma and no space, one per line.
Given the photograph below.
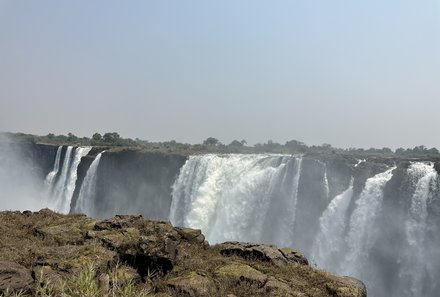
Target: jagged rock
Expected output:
[242,272]
[14,277]
[192,284]
[294,256]
[117,240]
[192,235]
[118,222]
[346,287]
[262,252]
[147,246]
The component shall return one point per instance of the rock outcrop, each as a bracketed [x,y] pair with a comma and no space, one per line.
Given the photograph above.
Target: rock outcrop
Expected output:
[14,277]
[38,249]
[263,252]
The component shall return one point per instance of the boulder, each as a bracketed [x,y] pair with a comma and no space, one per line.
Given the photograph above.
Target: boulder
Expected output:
[345,286]
[14,277]
[278,288]
[148,246]
[118,222]
[191,235]
[294,256]
[262,252]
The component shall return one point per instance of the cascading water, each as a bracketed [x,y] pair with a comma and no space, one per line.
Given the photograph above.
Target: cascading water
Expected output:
[51,175]
[85,203]
[229,197]
[62,190]
[362,230]
[326,186]
[414,262]
[328,247]
[59,187]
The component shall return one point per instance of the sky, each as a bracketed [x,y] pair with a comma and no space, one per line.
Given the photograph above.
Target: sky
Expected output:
[349,73]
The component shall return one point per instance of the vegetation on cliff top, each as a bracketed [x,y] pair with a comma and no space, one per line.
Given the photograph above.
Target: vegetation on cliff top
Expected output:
[213,145]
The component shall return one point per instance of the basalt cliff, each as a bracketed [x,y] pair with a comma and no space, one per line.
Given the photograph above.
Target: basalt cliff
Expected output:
[374,218]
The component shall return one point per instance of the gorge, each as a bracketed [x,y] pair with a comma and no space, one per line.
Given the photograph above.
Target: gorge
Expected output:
[377,219]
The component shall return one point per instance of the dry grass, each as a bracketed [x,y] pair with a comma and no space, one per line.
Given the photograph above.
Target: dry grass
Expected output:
[61,242]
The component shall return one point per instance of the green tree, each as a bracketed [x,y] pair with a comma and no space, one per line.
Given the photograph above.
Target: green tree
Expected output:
[71,137]
[211,141]
[111,138]
[236,143]
[97,137]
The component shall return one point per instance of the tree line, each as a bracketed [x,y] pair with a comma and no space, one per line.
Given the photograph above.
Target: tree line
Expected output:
[214,145]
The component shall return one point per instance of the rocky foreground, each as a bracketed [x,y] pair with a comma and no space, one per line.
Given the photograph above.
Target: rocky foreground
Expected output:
[48,254]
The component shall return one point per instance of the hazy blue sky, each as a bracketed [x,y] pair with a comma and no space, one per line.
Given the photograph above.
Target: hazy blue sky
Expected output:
[349,73]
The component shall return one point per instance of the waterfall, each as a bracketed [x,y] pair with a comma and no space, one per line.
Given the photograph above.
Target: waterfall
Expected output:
[59,186]
[414,261]
[284,195]
[382,228]
[51,175]
[362,230]
[63,189]
[87,192]
[326,186]
[328,246]
[230,197]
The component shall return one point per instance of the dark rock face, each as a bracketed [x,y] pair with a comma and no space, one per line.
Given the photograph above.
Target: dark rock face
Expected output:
[142,249]
[311,199]
[41,155]
[146,178]
[14,277]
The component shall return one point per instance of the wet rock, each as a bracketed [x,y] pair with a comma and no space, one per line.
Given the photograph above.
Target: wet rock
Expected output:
[242,273]
[14,277]
[192,284]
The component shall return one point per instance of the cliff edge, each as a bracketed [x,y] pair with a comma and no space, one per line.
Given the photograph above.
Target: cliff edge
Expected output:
[48,254]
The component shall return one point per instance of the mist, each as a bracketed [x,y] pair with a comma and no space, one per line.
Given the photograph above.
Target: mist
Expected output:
[20,186]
